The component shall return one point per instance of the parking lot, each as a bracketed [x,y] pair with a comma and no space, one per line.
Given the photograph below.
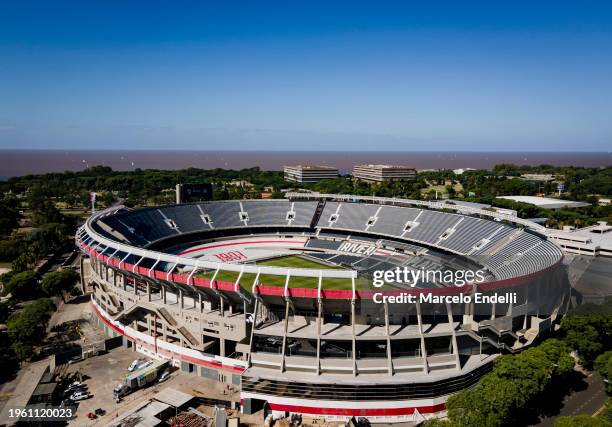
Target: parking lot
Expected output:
[102,373]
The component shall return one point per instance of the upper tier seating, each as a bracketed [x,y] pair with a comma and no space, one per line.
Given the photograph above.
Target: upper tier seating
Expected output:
[504,250]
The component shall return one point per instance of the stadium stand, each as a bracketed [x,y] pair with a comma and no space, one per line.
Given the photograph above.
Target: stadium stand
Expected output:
[313,340]
[498,247]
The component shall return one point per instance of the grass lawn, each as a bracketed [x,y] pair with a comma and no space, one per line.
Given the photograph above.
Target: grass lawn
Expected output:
[294,261]
[294,282]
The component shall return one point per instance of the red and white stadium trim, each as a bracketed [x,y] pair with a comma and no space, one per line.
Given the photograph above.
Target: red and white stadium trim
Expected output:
[390,411]
[158,348]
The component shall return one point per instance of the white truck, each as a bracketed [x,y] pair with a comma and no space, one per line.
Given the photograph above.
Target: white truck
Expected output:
[140,378]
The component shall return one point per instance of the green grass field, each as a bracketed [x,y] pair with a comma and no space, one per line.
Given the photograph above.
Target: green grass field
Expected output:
[294,282]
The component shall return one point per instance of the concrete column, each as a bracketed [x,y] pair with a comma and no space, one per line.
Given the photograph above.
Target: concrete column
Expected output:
[353,337]
[149,291]
[286,326]
[83,284]
[255,313]
[200,302]
[222,347]
[423,348]
[449,312]
[526,311]
[319,313]
[389,357]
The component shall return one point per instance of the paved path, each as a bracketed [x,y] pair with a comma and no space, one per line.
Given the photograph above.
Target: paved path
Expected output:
[586,401]
[18,392]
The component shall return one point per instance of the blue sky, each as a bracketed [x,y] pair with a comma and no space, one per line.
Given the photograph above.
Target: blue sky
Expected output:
[306,75]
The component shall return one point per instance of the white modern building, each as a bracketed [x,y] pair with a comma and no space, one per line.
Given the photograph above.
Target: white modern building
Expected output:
[382,173]
[310,173]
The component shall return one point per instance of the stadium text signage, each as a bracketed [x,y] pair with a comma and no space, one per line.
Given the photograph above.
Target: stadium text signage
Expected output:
[357,248]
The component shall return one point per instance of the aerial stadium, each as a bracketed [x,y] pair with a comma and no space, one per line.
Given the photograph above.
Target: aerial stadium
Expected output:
[277,297]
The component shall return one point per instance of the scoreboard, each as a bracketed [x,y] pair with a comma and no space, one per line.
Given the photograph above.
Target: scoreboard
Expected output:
[186,193]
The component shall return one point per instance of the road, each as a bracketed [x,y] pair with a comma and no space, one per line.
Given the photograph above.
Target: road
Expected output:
[586,401]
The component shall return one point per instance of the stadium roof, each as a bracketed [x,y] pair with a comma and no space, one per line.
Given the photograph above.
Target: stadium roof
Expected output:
[144,415]
[546,202]
[469,204]
[173,397]
[316,167]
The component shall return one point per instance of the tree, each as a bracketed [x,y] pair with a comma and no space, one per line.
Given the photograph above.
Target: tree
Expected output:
[581,421]
[514,382]
[558,353]
[23,286]
[23,262]
[60,282]
[606,415]
[437,422]
[9,215]
[603,365]
[45,239]
[9,250]
[43,208]
[22,350]
[589,334]
[27,327]
[5,309]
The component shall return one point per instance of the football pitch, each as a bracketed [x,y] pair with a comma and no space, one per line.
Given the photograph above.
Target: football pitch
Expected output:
[291,261]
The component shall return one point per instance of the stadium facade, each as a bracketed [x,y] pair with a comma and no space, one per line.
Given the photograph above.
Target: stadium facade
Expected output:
[207,285]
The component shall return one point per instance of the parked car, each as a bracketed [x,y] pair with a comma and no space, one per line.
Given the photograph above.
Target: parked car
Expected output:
[75,359]
[75,386]
[80,395]
[134,364]
[164,376]
[100,412]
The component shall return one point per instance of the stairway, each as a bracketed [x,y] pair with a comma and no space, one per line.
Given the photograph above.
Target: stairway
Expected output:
[317,214]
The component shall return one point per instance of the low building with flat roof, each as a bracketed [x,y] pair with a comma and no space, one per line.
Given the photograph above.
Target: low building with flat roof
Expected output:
[382,173]
[546,202]
[310,173]
[173,397]
[537,177]
[592,240]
